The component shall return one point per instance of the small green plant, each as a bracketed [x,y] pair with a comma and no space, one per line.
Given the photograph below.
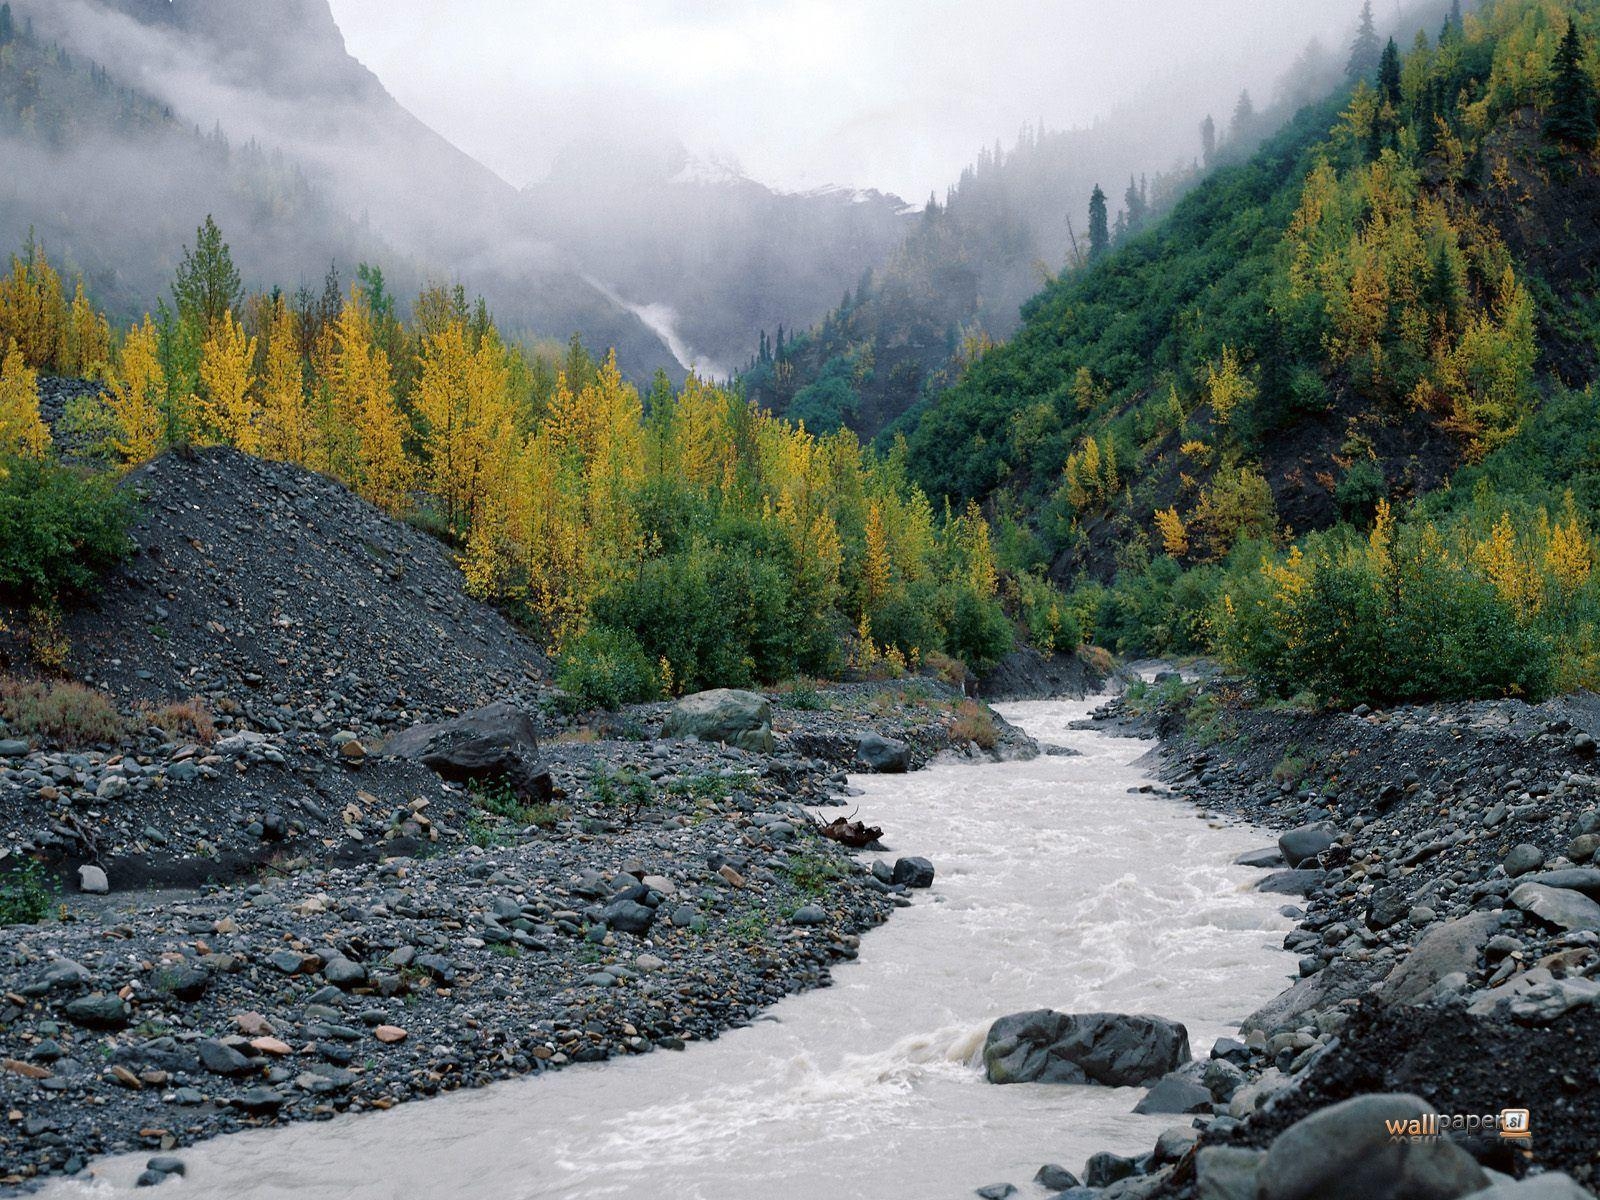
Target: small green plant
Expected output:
[813,873]
[499,798]
[606,668]
[1291,768]
[488,835]
[61,527]
[752,926]
[973,724]
[505,949]
[804,695]
[25,895]
[626,791]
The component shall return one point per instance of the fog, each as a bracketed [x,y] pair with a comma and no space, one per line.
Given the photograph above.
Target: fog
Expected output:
[890,94]
[669,178]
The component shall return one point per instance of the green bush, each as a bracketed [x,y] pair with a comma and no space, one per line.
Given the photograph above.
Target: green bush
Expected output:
[61,529]
[976,629]
[25,894]
[607,668]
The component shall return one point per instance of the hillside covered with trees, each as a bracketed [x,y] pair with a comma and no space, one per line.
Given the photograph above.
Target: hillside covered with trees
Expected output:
[1323,419]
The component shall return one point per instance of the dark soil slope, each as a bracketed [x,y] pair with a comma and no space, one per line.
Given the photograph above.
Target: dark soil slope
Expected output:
[278,588]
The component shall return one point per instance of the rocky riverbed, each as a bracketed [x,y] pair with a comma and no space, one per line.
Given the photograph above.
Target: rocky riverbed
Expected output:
[404,936]
[1439,863]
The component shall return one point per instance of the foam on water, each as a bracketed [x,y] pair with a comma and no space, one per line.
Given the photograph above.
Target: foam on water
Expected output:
[1056,888]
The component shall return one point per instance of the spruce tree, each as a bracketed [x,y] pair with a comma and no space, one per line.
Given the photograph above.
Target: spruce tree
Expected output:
[1208,140]
[1366,51]
[1389,76]
[1099,225]
[207,284]
[1135,207]
[8,28]
[1571,119]
[1244,114]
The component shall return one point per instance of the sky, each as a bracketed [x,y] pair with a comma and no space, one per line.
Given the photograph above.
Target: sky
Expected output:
[892,94]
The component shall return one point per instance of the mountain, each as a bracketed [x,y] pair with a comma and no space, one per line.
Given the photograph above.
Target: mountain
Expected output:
[1014,219]
[1383,311]
[703,253]
[257,113]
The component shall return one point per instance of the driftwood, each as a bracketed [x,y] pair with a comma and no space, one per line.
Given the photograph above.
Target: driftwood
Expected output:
[855,834]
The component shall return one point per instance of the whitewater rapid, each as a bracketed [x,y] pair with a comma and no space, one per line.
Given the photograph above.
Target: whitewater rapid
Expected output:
[1058,886]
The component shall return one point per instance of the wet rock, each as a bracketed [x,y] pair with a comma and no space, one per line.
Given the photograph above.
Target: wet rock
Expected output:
[1269,857]
[1298,882]
[1346,1150]
[738,718]
[884,756]
[1554,1186]
[810,914]
[1055,1178]
[1175,1093]
[1302,845]
[996,1191]
[1117,1050]
[913,872]
[1105,1168]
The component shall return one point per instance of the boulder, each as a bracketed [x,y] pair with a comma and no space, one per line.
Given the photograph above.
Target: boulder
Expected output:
[1226,1173]
[1113,1049]
[1443,950]
[881,755]
[1536,997]
[913,872]
[92,879]
[1298,882]
[98,1011]
[1340,980]
[496,744]
[1345,1150]
[1175,1093]
[741,719]
[1522,859]
[1055,1178]
[1271,856]
[1300,846]
[628,916]
[1561,907]
[1577,879]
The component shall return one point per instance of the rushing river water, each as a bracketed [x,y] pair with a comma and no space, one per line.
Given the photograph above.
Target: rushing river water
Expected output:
[1056,888]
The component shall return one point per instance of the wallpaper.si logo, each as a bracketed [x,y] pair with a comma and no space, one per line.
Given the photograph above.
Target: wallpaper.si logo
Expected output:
[1512,1124]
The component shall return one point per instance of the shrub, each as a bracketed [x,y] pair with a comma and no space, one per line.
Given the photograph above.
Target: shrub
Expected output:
[607,668]
[976,629]
[25,894]
[974,724]
[61,529]
[184,718]
[70,713]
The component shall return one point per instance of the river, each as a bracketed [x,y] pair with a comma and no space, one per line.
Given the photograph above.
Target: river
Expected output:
[1057,887]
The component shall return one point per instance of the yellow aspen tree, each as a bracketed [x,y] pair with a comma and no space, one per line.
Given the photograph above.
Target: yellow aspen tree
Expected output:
[1569,551]
[136,395]
[385,473]
[88,339]
[1227,386]
[876,566]
[228,410]
[287,430]
[33,312]
[22,431]
[1174,535]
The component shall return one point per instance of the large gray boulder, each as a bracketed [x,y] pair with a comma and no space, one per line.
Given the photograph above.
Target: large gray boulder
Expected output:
[1044,1046]
[1445,949]
[1562,907]
[881,755]
[1302,845]
[741,719]
[496,745]
[1346,1150]
[1227,1173]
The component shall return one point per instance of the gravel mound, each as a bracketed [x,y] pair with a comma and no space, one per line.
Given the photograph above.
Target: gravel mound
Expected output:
[279,589]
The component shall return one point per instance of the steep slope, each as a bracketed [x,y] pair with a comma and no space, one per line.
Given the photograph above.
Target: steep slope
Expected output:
[1348,316]
[276,588]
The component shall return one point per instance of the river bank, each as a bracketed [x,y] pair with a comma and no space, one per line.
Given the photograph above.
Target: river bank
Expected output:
[670,891]
[1439,863]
